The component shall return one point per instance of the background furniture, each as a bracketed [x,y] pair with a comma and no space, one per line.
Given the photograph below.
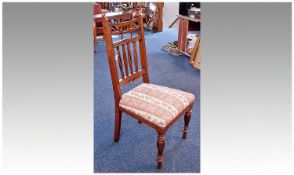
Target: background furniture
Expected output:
[195,56]
[154,15]
[183,31]
[171,103]
[97,26]
[184,10]
[97,9]
[113,16]
[94,36]
[152,12]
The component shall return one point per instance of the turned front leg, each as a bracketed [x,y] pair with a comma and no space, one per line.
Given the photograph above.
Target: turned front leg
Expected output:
[160,147]
[187,121]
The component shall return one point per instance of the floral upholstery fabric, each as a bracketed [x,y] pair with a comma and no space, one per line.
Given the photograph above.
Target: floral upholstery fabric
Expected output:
[157,104]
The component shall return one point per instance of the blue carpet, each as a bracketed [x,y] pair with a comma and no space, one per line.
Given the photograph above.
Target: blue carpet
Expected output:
[136,151]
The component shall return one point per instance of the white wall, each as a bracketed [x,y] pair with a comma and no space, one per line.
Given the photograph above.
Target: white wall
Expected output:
[170,10]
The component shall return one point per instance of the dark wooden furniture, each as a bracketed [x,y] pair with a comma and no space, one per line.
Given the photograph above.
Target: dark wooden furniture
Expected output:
[184,8]
[155,13]
[183,31]
[106,5]
[94,36]
[159,26]
[97,9]
[113,16]
[145,101]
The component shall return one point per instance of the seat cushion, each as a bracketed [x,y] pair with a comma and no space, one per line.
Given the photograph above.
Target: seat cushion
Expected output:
[157,104]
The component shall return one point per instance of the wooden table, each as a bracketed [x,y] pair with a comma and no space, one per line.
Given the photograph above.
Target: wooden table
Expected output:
[183,30]
[114,16]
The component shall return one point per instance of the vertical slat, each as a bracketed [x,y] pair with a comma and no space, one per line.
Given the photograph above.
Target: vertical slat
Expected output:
[119,62]
[125,59]
[135,56]
[130,58]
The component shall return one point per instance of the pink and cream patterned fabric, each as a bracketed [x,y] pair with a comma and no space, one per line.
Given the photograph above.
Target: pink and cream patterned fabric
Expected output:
[158,104]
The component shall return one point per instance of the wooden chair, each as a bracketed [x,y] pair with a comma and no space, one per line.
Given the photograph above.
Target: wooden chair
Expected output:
[97,26]
[156,106]
[96,10]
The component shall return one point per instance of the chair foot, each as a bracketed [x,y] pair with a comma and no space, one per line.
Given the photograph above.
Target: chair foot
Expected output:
[116,140]
[187,121]
[159,165]
[160,147]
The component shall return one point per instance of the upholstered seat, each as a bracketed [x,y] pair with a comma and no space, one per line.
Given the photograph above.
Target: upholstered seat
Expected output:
[157,104]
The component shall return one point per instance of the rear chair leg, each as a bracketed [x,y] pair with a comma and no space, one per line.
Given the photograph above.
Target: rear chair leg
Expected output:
[117,125]
[160,147]
[187,120]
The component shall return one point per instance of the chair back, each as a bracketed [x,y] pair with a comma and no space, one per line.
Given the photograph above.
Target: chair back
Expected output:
[126,57]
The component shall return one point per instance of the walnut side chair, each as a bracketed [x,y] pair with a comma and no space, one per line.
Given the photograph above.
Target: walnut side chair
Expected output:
[156,106]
